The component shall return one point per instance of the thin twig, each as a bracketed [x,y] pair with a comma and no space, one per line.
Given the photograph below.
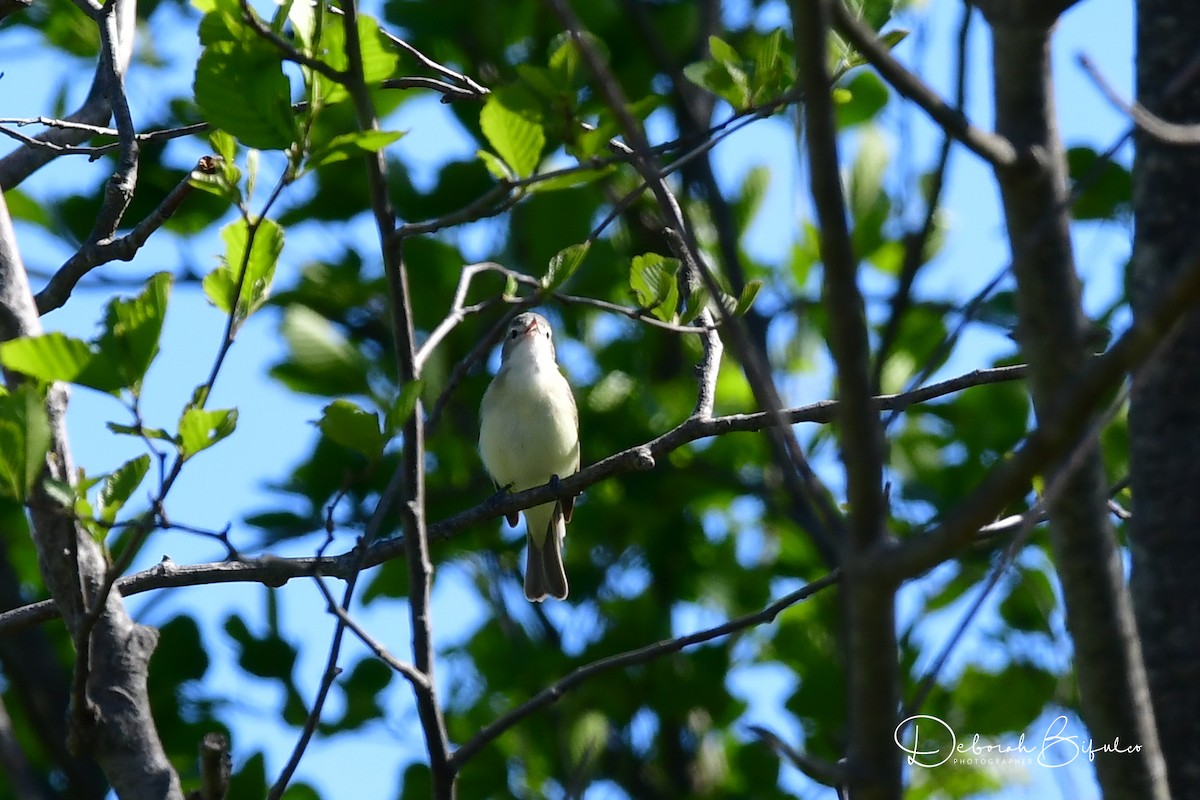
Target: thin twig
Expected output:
[275,571]
[994,149]
[97,253]
[917,242]
[1009,480]
[410,673]
[642,655]
[1156,126]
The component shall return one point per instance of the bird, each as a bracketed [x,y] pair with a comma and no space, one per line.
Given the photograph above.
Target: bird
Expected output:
[529,436]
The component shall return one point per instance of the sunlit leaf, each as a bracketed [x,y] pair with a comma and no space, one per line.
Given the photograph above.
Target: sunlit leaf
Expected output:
[509,123]
[120,486]
[200,428]
[564,264]
[350,426]
[24,440]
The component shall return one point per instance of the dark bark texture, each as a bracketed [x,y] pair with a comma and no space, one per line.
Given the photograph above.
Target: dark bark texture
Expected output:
[1165,403]
[1052,331]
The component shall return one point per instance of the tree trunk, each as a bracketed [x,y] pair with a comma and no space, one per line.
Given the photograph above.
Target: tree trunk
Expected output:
[1052,329]
[1164,413]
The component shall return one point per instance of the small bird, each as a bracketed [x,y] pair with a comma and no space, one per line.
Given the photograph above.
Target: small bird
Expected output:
[529,436]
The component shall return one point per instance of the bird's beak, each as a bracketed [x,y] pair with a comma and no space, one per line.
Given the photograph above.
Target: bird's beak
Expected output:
[530,328]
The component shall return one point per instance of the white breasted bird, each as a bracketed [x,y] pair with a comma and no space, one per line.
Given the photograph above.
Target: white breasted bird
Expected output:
[528,435]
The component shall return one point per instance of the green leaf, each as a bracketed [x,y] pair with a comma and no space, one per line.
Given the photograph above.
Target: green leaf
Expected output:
[750,196]
[120,486]
[221,284]
[133,430]
[270,656]
[861,100]
[301,15]
[696,302]
[509,121]
[225,145]
[133,327]
[1030,602]
[773,70]
[47,358]
[496,166]
[24,440]
[564,264]
[23,207]
[749,292]
[320,360]
[722,51]
[875,13]
[869,203]
[200,428]
[894,37]
[1105,187]
[350,145]
[352,427]
[725,80]
[652,278]
[241,88]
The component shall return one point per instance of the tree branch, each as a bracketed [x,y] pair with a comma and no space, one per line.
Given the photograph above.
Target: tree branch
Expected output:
[410,476]
[96,109]
[820,516]
[121,734]
[642,655]
[275,571]
[96,253]
[994,149]
[869,618]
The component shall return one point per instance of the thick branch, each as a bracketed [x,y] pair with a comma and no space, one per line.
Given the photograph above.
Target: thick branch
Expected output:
[121,736]
[869,619]
[1053,333]
[275,571]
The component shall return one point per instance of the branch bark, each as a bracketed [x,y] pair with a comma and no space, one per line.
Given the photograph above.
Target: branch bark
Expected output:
[275,571]
[1053,331]
[1163,414]
[120,733]
[868,601]
[96,109]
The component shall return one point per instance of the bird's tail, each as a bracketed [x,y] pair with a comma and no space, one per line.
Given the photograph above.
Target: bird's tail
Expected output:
[544,573]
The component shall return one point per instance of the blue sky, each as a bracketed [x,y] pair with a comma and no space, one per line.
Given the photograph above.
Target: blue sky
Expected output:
[225,484]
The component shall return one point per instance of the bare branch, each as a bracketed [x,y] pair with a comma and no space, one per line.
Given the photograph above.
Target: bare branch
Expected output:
[96,109]
[1009,481]
[642,655]
[410,673]
[275,571]
[814,768]
[286,48]
[408,482]
[215,767]
[1156,126]
[872,760]
[994,149]
[97,253]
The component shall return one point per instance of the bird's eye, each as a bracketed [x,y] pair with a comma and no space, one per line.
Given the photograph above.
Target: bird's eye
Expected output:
[514,333]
